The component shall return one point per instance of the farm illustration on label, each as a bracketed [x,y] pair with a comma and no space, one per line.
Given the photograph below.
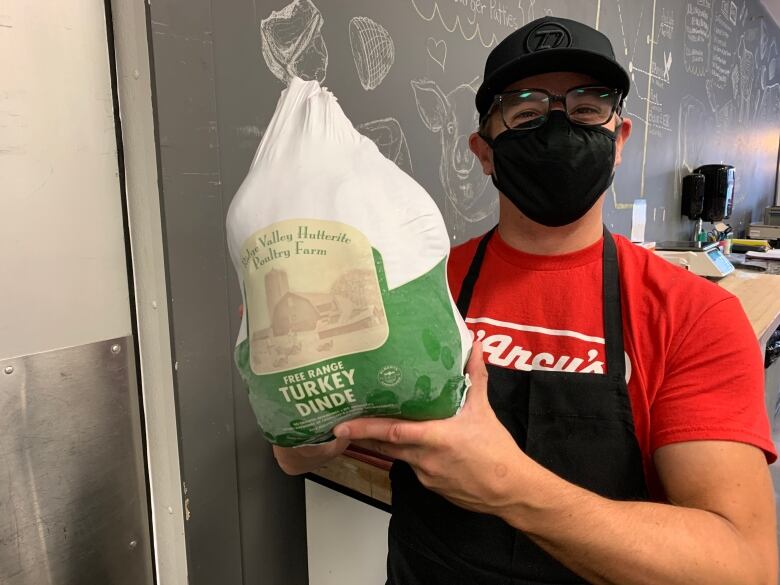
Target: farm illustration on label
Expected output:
[312,293]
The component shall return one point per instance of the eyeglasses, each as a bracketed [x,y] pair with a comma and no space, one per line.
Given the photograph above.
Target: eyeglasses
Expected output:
[527,109]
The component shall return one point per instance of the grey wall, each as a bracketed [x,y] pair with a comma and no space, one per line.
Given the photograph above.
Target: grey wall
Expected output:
[706,89]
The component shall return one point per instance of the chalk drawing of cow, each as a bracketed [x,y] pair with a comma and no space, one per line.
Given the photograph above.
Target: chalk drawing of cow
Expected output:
[454,117]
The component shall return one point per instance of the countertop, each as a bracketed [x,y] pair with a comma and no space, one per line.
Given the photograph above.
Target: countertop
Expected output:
[759,294]
[364,474]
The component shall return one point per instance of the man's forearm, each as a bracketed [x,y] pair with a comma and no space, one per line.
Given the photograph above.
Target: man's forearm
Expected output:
[635,543]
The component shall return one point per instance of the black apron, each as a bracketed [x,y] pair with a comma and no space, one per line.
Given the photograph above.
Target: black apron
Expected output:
[577,425]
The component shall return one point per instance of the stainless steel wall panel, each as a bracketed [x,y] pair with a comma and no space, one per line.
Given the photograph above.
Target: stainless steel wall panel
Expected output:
[73,505]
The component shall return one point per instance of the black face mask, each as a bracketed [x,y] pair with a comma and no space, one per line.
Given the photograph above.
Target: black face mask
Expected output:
[555,173]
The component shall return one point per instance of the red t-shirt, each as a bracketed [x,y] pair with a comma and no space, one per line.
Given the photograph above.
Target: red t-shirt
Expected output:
[694,366]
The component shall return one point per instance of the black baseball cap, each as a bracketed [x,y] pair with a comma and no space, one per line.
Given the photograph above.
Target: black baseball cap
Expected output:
[550,44]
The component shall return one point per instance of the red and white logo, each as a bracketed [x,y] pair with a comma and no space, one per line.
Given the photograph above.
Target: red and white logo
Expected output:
[531,347]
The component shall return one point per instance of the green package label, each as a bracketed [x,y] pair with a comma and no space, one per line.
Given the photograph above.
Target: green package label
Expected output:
[328,341]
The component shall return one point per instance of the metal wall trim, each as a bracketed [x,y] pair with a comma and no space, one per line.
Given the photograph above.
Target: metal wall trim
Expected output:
[131,46]
[73,506]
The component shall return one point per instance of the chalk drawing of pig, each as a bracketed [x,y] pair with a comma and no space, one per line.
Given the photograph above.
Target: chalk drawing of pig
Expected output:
[454,117]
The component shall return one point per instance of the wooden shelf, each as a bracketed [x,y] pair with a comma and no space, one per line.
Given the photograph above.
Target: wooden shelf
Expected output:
[368,478]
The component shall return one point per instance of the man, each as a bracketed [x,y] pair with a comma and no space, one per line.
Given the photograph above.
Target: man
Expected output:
[618,434]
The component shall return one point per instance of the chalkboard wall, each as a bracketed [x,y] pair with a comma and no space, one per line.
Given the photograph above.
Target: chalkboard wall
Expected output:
[706,88]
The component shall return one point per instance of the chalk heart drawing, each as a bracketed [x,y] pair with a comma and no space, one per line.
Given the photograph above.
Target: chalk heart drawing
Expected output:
[292,43]
[454,118]
[372,50]
[390,139]
[437,50]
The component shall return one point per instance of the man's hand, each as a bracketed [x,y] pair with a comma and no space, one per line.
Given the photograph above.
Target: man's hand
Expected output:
[470,458]
[298,460]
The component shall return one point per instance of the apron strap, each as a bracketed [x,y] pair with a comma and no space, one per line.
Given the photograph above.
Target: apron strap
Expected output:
[613,319]
[467,288]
